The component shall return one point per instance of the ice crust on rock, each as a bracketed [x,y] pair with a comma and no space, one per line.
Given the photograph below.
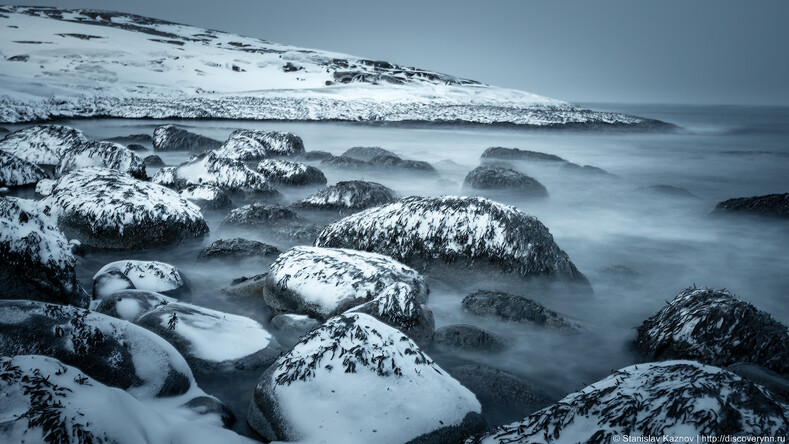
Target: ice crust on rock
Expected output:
[16,172]
[42,144]
[349,195]
[102,154]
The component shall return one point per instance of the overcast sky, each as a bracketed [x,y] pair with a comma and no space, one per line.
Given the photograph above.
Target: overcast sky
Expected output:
[667,51]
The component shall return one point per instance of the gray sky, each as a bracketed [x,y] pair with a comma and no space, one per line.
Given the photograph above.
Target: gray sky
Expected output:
[668,51]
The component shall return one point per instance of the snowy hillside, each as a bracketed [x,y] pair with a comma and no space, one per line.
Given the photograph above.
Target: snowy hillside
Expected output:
[69,63]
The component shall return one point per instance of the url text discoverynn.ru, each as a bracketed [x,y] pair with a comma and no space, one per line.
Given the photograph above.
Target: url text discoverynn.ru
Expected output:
[697,439]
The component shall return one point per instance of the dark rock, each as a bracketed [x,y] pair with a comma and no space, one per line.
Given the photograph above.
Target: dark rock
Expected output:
[42,144]
[518,154]
[139,148]
[106,209]
[315,155]
[772,381]
[395,162]
[715,328]
[673,398]
[586,169]
[468,338]
[4,130]
[237,249]
[208,405]
[356,364]
[138,138]
[344,162]
[275,220]
[514,308]
[172,138]
[102,154]
[15,172]
[669,190]
[367,153]
[468,231]
[290,173]
[153,160]
[351,195]
[140,275]
[294,324]
[35,258]
[769,205]
[247,287]
[500,178]
[504,396]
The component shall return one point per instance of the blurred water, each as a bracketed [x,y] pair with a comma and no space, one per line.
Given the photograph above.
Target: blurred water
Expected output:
[669,242]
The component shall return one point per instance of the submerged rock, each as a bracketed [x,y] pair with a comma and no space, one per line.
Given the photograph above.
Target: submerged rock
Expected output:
[468,338]
[137,148]
[399,306]
[672,398]
[315,155]
[247,287]
[499,178]
[376,158]
[769,205]
[153,160]
[35,258]
[207,197]
[394,162]
[42,144]
[669,190]
[714,327]
[172,138]
[350,195]
[322,282]
[237,249]
[294,324]
[107,209]
[367,153]
[16,172]
[365,382]
[498,152]
[344,162]
[248,145]
[140,275]
[110,350]
[464,231]
[273,220]
[290,173]
[57,403]
[586,169]
[513,308]
[102,154]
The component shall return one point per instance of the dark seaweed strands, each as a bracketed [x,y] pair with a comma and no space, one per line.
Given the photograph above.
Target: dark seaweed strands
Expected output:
[46,409]
[371,356]
[620,415]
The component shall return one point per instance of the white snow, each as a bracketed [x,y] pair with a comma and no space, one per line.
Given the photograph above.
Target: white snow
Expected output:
[40,144]
[146,275]
[38,237]
[213,169]
[102,154]
[18,172]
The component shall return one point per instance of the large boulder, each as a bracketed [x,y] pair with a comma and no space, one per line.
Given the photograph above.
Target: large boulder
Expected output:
[110,350]
[514,308]
[102,154]
[140,275]
[42,144]
[46,400]
[153,160]
[290,173]
[470,338]
[399,306]
[350,195]
[715,328]
[366,153]
[35,258]
[487,177]
[16,172]
[673,399]
[769,205]
[210,340]
[212,169]
[272,220]
[236,250]
[107,209]
[498,152]
[252,145]
[357,380]
[466,231]
[322,282]
[172,138]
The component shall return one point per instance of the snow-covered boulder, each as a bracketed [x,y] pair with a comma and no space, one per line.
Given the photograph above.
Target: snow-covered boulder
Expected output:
[107,209]
[498,152]
[768,205]
[487,177]
[676,399]
[459,230]
[110,350]
[321,282]
[249,145]
[42,144]
[35,258]
[140,275]
[16,172]
[237,249]
[504,397]
[272,220]
[715,328]
[290,173]
[207,197]
[399,306]
[366,153]
[350,195]
[209,340]
[172,138]
[44,187]
[102,154]
[46,400]
[468,338]
[514,308]
[357,380]
[212,169]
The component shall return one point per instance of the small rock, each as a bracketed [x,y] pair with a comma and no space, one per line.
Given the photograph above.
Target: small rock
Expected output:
[514,308]
[237,249]
[468,338]
[172,138]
